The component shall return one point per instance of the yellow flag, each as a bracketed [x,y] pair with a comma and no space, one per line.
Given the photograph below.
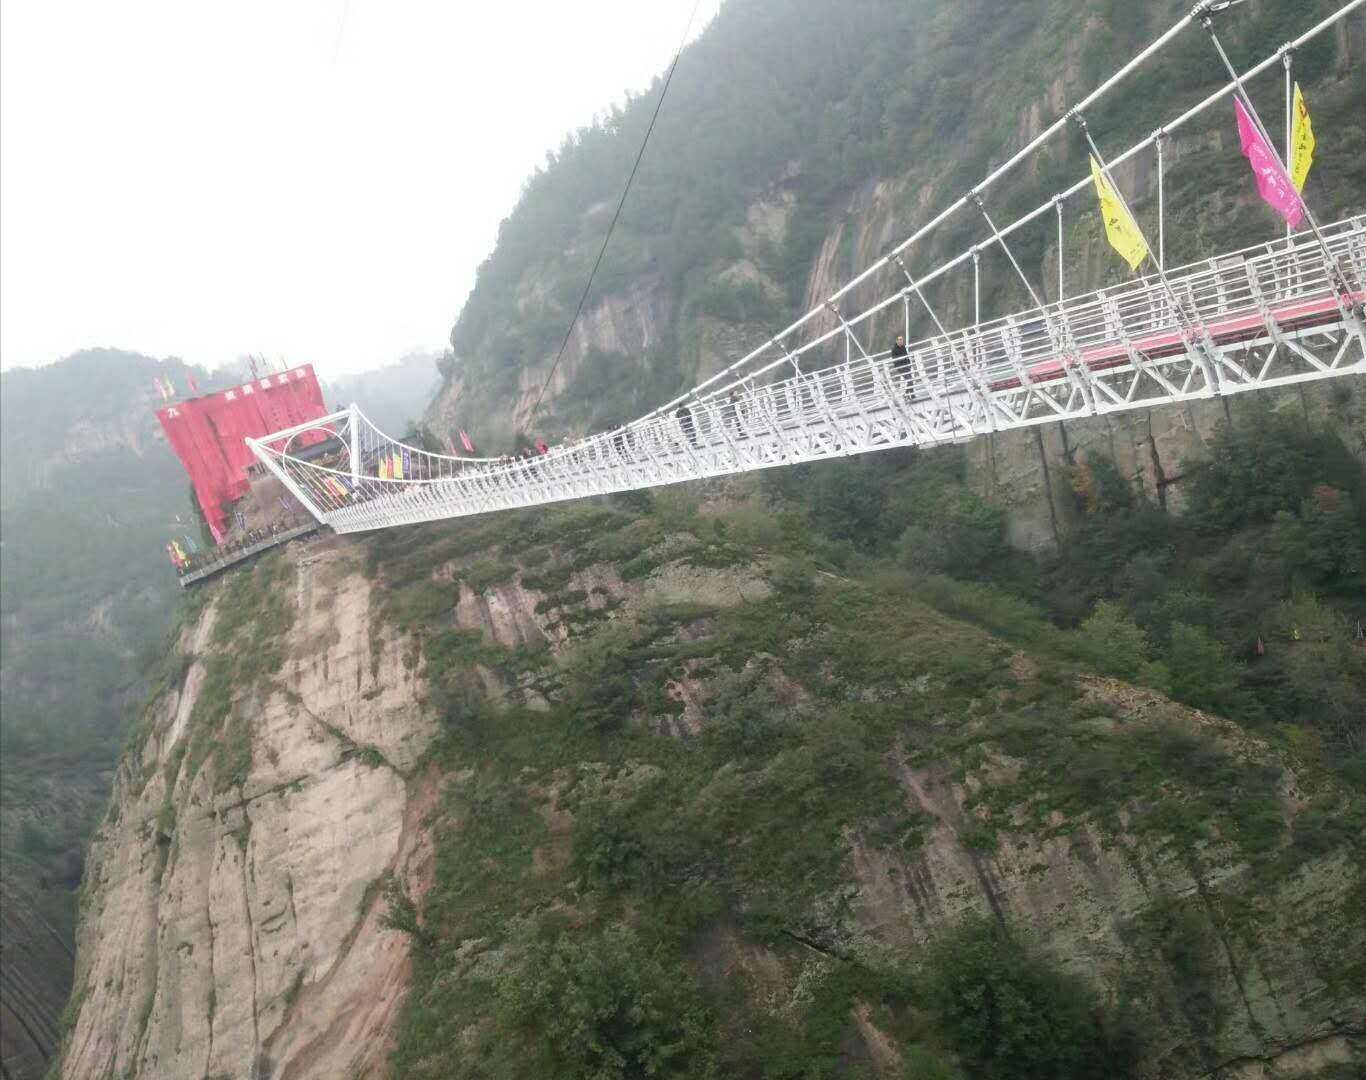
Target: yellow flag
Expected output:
[1301,142]
[1120,227]
[396,469]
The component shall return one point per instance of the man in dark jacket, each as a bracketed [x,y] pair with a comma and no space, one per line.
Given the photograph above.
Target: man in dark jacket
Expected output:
[685,421]
[731,411]
[901,365]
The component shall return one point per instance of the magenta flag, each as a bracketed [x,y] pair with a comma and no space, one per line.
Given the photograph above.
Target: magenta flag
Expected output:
[1273,182]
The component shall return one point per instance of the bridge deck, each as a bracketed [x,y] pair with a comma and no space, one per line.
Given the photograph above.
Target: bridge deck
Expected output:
[1295,315]
[1273,315]
[240,555]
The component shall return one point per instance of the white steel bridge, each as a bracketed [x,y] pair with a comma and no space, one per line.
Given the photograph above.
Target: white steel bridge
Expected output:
[1286,311]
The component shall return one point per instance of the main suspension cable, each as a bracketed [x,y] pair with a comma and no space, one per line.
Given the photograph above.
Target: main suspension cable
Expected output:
[621,203]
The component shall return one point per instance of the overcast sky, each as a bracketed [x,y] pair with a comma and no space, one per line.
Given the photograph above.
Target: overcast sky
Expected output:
[315,180]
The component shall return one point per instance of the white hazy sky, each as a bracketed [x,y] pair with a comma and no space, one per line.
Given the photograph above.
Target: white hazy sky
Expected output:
[310,179]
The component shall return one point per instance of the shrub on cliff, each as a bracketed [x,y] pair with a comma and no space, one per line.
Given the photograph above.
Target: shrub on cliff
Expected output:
[607,1005]
[1265,464]
[1013,1015]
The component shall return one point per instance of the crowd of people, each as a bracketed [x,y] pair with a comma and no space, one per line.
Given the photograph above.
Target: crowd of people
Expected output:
[234,545]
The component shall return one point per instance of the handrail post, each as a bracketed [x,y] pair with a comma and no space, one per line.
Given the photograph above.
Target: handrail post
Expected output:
[355,443]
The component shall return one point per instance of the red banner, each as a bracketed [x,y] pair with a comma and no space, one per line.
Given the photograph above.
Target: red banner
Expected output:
[207,433]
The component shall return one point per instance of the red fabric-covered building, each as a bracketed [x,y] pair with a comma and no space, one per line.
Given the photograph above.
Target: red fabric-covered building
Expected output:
[208,433]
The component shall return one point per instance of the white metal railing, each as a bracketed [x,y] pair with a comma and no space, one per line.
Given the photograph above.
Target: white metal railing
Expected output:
[1264,316]
[789,340]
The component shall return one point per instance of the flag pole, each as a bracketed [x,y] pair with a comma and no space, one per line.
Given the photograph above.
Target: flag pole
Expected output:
[1057,205]
[1198,335]
[1286,61]
[1158,136]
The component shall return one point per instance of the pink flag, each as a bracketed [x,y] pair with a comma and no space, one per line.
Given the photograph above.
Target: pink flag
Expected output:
[1273,183]
[465,441]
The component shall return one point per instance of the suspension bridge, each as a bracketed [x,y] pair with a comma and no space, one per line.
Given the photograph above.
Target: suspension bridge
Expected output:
[1288,310]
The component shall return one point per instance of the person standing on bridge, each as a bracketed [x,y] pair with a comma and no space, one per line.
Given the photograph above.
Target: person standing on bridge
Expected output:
[901,365]
[687,424]
[731,412]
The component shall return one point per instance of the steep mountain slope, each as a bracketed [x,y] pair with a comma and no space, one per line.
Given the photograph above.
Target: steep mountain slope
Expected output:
[801,140]
[608,785]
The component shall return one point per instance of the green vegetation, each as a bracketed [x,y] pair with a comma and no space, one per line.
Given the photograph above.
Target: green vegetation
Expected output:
[1013,1016]
[1244,606]
[609,850]
[749,176]
[605,1005]
[255,610]
[583,950]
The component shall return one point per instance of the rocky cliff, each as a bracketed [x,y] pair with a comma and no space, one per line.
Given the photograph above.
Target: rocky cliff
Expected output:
[229,919]
[378,773]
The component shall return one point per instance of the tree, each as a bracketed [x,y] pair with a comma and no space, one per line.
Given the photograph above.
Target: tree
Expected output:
[606,1006]
[1268,464]
[1117,645]
[1311,646]
[1201,672]
[1015,1016]
[1322,544]
[600,680]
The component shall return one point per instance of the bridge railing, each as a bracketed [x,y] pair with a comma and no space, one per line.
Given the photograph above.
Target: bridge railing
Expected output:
[945,388]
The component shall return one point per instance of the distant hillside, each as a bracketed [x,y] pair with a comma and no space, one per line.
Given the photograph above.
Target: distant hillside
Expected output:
[89,493]
[392,396]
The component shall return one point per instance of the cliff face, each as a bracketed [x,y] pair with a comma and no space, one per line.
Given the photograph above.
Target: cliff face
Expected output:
[521,721]
[230,922]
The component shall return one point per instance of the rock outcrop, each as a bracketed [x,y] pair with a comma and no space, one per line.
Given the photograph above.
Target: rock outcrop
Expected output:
[231,926]
[1031,473]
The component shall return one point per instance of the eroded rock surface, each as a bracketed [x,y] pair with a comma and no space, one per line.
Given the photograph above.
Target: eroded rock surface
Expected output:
[232,931]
